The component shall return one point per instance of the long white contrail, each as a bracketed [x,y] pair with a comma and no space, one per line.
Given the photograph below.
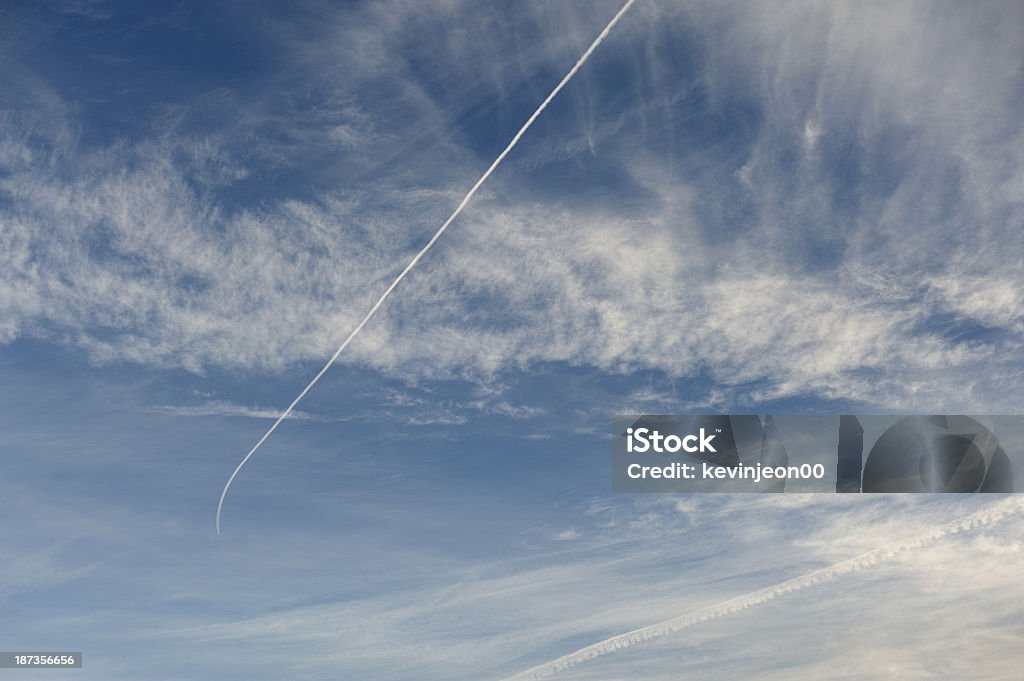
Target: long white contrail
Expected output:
[437,235]
[987,516]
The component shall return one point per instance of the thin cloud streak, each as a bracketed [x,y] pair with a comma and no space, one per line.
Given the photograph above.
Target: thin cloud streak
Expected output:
[229,409]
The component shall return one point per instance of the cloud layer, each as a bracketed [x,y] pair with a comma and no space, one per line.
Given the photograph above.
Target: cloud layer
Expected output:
[794,200]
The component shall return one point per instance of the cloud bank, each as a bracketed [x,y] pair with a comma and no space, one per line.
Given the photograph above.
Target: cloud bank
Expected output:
[797,200]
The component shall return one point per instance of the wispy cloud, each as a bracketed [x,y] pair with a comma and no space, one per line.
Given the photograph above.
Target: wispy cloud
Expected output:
[780,268]
[220,408]
[866,560]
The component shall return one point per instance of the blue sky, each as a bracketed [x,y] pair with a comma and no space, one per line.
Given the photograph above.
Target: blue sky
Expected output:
[784,207]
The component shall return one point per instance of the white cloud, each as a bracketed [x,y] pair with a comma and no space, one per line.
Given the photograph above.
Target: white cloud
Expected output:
[830,290]
[944,597]
[221,408]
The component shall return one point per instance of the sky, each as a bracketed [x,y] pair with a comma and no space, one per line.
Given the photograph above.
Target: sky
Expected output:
[784,207]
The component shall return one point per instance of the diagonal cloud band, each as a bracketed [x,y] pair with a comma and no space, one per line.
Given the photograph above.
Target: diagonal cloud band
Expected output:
[984,517]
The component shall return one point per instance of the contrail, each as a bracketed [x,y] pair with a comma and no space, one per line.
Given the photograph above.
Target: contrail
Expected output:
[437,235]
[987,516]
